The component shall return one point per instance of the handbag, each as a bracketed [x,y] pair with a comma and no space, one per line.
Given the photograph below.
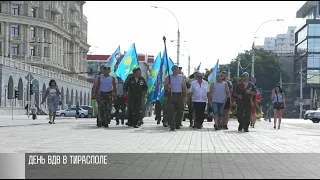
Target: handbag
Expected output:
[278,105]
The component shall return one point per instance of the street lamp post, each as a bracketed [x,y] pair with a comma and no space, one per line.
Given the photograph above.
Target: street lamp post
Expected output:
[178,33]
[253,52]
[280,81]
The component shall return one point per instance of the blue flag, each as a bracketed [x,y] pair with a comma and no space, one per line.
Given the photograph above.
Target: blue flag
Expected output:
[153,78]
[213,76]
[113,60]
[198,68]
[128,63]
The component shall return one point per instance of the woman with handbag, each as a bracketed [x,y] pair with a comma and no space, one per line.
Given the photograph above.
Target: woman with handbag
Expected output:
[278,105]
[52,95]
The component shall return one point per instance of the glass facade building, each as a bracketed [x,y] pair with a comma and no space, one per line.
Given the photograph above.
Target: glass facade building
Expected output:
[307,50]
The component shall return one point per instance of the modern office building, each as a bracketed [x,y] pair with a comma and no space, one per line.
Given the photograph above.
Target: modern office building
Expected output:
[307,54]
[282,43]
[49,40]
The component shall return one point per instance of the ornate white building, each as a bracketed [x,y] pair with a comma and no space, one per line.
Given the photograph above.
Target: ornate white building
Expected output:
[49,40]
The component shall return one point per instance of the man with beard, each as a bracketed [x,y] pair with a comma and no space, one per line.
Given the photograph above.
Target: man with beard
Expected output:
[243,93]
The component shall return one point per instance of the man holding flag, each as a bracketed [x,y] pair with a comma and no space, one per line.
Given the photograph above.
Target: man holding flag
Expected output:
[176,91]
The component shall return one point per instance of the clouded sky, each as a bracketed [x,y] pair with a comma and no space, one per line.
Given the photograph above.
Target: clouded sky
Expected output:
[209,30]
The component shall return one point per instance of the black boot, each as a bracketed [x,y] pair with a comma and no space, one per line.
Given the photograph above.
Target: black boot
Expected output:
[191,123]
[117,120]
[158,122]
[240,127]
[122,122]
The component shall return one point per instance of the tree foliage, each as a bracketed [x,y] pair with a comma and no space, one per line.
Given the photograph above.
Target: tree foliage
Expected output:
[267,67]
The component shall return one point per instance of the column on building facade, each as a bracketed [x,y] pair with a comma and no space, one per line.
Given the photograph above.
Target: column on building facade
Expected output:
[50,45]
[61,51]
[7,35]
[27,41]
[42,42]
[26,10]
[42,10]
[81,20]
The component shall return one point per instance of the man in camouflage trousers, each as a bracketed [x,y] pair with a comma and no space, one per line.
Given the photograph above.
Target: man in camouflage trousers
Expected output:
[106,85]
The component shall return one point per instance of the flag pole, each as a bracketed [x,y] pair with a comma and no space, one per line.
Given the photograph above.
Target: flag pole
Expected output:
[165,47]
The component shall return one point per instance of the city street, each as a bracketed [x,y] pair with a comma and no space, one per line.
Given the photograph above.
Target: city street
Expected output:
[186,153]
[82,135]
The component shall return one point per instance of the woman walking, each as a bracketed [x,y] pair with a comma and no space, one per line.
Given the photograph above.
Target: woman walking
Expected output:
[278,105]
[52,96]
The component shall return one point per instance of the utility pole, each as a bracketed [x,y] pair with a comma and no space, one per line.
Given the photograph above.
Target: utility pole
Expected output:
[301,90]
[189,66]
[178,47]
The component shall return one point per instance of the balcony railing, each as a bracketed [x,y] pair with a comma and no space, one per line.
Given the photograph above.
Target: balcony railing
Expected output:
[35,3]
[56,8]
[36,70]
[74,22]
[46,4]
[17,2]
[16,38]
[74,6]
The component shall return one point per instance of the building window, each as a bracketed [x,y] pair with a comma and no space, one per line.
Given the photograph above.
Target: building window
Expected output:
[15,9]
[314,30]
[0,48]
[0,27]
[302,48]
[32,51]
[313,61]
[14,49]
[15,30]
[32,32]
[313,45]
[33,12]
[313,76]
[302,35]
[0,7]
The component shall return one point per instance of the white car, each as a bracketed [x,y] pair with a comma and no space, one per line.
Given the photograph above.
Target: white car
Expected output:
[72,112]
[307,113]
[314,116]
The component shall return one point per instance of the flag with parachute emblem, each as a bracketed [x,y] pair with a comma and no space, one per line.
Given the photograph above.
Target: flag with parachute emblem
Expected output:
[128,63]
[152,80]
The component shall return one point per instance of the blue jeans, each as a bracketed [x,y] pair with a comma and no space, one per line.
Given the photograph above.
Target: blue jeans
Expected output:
[218,108]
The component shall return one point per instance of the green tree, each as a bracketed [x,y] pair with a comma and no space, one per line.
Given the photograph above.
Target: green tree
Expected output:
[267,68]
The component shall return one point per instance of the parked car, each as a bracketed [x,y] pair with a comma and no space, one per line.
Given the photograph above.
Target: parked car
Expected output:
[314,116]
[72,112]
[90,110]
[307,113]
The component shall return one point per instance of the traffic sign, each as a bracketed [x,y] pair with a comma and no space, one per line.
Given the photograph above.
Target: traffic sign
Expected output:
[31,77]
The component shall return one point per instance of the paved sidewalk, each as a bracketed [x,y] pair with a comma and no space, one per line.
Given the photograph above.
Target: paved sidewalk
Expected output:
[70,135]
[291,152]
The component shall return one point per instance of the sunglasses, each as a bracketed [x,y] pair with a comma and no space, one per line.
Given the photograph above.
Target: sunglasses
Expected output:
[200,76]
[107,68]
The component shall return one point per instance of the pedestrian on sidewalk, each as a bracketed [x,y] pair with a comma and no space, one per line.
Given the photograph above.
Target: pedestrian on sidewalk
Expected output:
[278,105]
[243,93]
[227,105]
[119,104]
[176,98]
[218,95]
[158,109]
[53,97]
[105,85]
[135,86]
[77,110]
[199,92]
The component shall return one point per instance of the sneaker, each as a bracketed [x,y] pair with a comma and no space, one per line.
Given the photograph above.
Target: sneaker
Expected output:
[225,127]
[171,129]
[50,122]
[158,122]
[135,126]
[246,130]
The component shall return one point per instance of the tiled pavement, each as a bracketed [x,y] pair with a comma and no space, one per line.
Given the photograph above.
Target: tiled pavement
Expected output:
[261,153]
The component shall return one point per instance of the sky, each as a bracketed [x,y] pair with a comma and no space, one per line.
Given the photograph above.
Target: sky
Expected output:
[209,30]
